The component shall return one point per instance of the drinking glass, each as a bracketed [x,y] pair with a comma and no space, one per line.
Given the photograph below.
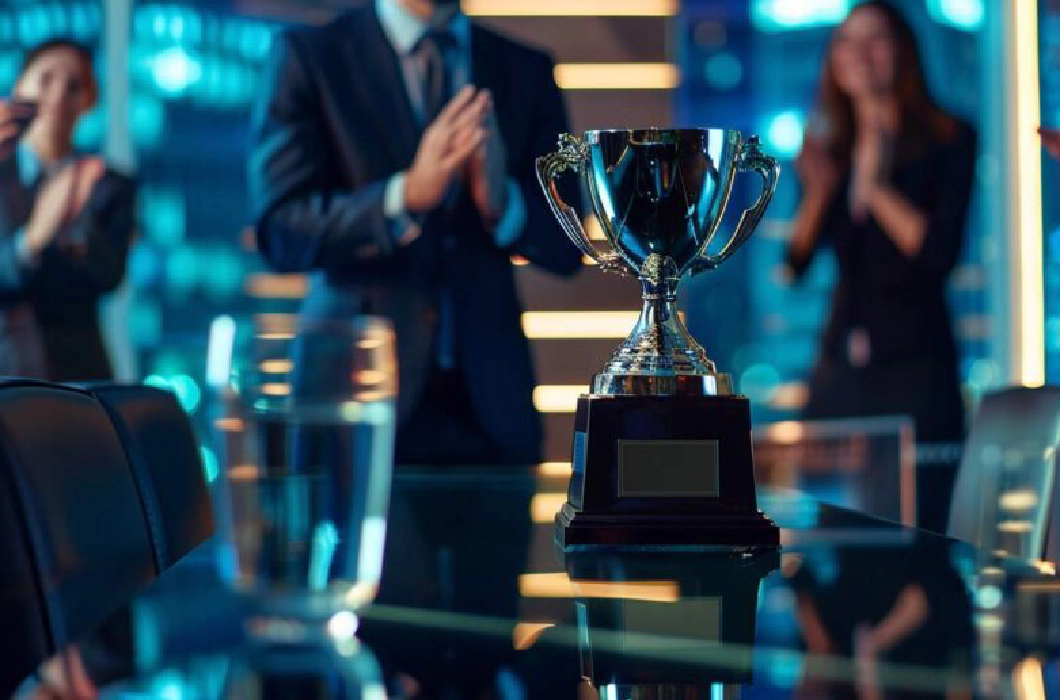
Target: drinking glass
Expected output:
[311,488]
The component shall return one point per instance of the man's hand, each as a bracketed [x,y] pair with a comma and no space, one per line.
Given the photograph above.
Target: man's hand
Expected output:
[487,171]
[447,144]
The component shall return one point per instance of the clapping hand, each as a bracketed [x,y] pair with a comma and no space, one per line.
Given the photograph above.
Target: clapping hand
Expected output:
[816,168]
[59,201]
[447,145]
[486,170]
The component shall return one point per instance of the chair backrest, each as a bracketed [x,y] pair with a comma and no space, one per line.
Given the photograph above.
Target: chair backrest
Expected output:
[865,463]
[74,544]
[1003,496]
[162,449]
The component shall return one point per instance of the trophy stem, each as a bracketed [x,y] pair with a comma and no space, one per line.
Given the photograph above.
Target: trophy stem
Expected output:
[660,356]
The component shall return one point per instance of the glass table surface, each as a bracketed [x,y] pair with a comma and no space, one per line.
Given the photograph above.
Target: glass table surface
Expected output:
[477,602]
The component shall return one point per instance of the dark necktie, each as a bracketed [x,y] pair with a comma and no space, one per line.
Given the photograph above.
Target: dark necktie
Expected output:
[434,47]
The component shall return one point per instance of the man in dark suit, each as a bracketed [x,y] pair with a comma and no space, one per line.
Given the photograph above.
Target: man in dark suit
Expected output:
[394,157]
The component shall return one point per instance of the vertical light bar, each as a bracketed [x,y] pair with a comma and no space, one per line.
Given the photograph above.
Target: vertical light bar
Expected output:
[1028,302]
[119,149]
[219,349]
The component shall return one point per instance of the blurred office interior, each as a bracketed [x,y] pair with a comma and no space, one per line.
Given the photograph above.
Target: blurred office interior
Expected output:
[178,79]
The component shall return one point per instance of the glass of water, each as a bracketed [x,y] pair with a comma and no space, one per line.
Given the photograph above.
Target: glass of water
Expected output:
[311,491]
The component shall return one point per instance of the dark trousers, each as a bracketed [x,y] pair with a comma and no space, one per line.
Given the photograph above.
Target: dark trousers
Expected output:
[444,429]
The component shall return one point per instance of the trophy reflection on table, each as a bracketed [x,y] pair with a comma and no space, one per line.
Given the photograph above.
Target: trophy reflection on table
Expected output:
[684,626]
[662,446]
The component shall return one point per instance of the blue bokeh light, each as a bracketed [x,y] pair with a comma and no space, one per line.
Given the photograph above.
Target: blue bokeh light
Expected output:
[784,132]
[175,70]
[783,15]
[723,71]
[966,15]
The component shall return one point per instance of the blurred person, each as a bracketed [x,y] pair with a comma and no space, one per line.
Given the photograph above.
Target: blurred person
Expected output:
[393,157]
[886,178]
[66,222]
[893,605]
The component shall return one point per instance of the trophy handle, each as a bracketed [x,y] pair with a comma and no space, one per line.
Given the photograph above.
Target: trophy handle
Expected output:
[751,158]
[572,155]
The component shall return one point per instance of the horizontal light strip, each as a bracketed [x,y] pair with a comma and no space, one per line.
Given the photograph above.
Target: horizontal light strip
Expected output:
[579,324]
[277,366]
[570,8]
[275,389]
[789,396]
[243,472]
[1018,500]
[268,286]
[786,432]
[562,469]
[558,398]
[544,506]
[617,76]
[1038,586]
[520,261]
[559,585]
[230,424]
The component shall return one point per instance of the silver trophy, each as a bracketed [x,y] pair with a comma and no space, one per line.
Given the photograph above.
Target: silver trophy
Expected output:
[659,195]
[661,452]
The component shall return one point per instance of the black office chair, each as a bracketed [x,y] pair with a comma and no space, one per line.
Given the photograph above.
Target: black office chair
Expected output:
[74,542]
[164,453]
[1004,496]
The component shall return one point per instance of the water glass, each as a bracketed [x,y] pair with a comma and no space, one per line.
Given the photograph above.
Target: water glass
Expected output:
[311,490]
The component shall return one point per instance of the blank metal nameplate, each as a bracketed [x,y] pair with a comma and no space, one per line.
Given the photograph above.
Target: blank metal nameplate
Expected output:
[668,468]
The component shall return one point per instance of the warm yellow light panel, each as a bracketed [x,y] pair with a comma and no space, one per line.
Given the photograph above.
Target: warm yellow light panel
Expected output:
[558,398]
[278,366]
[579,324]
[544,506]
[786,432]
[1018,500]
[617,76]
[1028,680]
[1026,198]
[561,469]
[269,286]
[570,8]
[559,585]
[275,389]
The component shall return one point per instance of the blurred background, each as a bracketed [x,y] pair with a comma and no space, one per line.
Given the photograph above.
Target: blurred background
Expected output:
[178,78]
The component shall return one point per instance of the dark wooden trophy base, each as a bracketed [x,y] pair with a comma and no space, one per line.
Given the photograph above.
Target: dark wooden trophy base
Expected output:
[663,472]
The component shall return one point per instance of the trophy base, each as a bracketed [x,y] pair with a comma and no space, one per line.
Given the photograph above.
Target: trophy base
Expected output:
[663,472]
[580,531]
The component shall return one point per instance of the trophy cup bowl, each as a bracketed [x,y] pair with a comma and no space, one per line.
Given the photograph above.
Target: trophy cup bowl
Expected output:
[668,459]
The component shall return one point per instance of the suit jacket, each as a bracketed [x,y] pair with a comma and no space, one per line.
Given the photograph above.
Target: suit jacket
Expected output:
[332,125]
[898,300]
[49,325]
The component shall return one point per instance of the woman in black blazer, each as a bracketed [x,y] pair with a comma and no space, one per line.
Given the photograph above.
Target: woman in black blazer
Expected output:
[886,179]
[66,222]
